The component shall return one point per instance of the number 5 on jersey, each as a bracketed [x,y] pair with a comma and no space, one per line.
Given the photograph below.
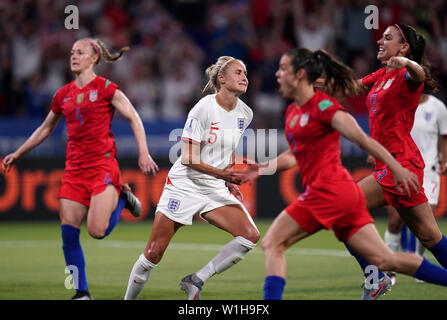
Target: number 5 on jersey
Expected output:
[213,135]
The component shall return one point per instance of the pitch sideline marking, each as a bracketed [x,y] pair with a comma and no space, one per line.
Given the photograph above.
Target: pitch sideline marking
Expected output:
[172,246]
[120,244]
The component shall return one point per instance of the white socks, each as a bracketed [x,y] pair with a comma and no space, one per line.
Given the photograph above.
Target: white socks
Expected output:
[420,249]
[138,277]
[233,252]
[392,240]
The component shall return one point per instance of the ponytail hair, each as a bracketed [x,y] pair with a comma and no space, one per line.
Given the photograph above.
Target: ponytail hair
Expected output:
[339,78]
[103,53]
[214,70]
[417,44]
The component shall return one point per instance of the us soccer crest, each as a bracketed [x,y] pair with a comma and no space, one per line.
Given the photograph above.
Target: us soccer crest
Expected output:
[388,84]
[240,123]
[173,205]
[93,96]
[304,119]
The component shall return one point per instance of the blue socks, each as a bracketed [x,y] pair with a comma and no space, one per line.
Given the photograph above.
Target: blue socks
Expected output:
[362,262]
[432,273]
[407,240]
[115,216]
[273,287]
[71,246]
[440,251]
[73,255]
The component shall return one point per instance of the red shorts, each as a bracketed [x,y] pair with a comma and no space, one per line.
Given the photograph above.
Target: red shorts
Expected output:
[395,198]
[336,205]
[80,185]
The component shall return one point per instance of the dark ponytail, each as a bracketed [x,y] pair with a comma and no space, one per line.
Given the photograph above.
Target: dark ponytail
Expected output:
[417,45]
[339,78]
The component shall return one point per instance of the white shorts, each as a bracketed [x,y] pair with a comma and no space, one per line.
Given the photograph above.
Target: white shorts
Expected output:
[432,184]
[180,202]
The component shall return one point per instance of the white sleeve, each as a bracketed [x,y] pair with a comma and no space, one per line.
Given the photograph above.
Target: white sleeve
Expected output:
[442,119]
[248,113]
[250,117]
[195,125]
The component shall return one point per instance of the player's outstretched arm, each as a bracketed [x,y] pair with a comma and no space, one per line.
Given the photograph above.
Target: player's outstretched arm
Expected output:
[36,138]
[124,106]
[415,71]
[344,123]
[251,172]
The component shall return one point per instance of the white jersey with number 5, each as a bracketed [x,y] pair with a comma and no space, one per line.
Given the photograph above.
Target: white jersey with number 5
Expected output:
[430,121]
[218,132]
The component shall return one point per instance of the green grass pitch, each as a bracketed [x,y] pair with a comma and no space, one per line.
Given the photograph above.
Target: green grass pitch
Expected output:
[319,268]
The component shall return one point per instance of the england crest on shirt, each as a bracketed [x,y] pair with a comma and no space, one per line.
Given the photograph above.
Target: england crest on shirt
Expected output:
[304,119]
[240,123]
[427,116]
[388,84]
[93,96]
[173,205]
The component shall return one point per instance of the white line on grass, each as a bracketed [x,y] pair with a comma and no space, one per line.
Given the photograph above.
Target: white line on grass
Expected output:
[173,246]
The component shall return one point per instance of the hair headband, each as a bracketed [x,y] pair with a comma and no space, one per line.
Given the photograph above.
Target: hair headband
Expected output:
[94,45]
[401,33]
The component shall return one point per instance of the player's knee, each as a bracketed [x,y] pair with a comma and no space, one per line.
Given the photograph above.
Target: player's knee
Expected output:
[252,235]
[268,244]
[265,244]
[97,232]
[154,254]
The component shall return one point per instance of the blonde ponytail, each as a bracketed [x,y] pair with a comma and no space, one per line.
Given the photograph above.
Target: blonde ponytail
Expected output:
[100,48]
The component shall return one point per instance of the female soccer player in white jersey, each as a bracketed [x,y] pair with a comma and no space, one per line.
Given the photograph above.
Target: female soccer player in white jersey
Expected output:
[200,181]
[430,135]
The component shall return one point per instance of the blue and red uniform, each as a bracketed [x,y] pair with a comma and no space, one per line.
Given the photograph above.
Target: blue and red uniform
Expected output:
[392,103]
[90,157]
[332,199]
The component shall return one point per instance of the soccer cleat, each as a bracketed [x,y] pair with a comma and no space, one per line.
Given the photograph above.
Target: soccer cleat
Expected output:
[82,295]
[392,276]
[132,202]
[384,286]
[192,285]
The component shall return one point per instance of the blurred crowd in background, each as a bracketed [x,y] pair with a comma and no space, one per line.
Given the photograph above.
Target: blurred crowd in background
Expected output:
[173,42]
